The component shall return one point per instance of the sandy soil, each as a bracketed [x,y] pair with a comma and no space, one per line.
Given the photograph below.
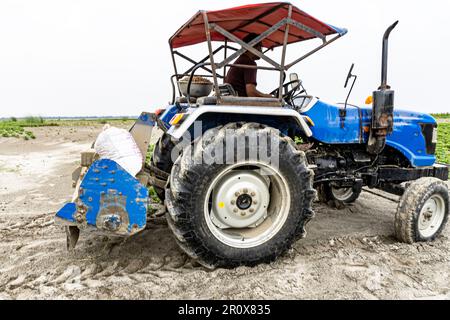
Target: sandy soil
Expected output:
[348,254]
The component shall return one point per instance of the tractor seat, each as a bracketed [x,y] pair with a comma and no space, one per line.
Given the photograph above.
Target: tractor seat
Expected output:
[184,100]
[227,89]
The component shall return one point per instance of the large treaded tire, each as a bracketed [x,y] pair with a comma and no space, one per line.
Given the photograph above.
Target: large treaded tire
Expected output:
[189,184]
[411,204]
[162,159]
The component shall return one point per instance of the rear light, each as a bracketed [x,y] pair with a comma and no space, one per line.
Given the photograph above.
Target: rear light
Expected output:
[158,112]
[178,119]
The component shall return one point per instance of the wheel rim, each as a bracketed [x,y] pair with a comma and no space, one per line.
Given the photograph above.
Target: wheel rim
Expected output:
[342,194]
[431,216]
[247,205]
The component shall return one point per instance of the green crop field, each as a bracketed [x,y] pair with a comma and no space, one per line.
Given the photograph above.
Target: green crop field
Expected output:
[20,128]
[441,115]
[15,128]
[92,122]
[443,147]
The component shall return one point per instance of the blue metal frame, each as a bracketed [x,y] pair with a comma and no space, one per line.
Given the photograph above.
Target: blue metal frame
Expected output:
[109,196]
[407,136]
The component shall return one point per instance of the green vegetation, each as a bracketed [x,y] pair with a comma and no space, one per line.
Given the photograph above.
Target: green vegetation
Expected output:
[153,196]
[441,115]
[15,127]
[443,147]
[151,190]
[298,140]
[93,122]
[149,153]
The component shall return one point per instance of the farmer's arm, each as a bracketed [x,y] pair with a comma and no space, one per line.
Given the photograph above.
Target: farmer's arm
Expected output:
[253,92]
[250,84]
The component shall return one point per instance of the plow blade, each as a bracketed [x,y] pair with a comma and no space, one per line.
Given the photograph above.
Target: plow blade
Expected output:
[109,200]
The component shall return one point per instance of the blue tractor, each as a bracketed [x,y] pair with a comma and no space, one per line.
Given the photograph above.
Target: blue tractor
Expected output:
[238,175]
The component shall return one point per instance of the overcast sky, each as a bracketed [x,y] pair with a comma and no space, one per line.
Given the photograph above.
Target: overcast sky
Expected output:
[108,57]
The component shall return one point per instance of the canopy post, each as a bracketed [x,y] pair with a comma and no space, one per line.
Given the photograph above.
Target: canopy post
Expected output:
[211,54]
[172,53]
[225,53]
[283,54]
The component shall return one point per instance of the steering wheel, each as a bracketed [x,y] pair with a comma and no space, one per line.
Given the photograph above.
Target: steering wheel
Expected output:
[288,93]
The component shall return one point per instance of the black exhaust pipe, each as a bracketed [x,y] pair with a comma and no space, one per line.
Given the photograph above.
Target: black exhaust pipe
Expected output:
[384,63]
[383,105]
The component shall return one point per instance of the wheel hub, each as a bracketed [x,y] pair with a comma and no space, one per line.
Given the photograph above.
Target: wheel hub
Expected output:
[431,216]
[240,200]
[244,201]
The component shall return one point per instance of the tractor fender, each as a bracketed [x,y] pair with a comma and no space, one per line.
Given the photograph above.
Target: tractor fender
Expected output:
[197,113]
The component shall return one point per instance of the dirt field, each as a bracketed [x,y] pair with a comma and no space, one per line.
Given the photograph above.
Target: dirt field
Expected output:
[348,254]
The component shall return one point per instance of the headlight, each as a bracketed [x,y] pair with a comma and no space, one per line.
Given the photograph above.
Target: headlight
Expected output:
[435,135]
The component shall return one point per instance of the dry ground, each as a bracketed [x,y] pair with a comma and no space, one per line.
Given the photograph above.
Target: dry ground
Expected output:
[348,253]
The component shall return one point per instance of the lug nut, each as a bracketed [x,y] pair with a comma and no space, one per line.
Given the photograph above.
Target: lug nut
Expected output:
[245,191]
[233,202]
[255,202]
[243,213]
[252,210]
[235,210]
[237,194]
[253,194]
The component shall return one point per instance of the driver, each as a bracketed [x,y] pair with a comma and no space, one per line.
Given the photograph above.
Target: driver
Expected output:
[243,80]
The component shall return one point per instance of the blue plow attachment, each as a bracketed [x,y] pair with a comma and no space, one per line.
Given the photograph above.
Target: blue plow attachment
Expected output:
[109,200]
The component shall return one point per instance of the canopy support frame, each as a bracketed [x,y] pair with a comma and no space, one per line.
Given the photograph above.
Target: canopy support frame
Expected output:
[229,36]
[283,54]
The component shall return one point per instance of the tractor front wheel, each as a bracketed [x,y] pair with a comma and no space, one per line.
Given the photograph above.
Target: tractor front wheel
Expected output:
[423,211]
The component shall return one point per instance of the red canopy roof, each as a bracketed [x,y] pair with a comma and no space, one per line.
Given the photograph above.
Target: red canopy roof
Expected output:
[254,18]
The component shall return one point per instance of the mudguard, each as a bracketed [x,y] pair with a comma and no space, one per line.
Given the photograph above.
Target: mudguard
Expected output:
[196,113]
[110,200]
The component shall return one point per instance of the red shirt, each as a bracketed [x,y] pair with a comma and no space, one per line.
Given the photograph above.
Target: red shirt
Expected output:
[240,77]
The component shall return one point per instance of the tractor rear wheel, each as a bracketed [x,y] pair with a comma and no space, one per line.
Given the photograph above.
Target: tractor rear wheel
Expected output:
[242,211]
